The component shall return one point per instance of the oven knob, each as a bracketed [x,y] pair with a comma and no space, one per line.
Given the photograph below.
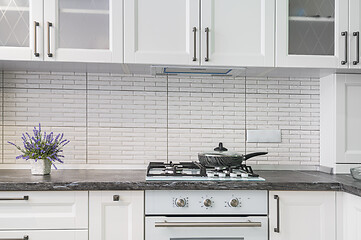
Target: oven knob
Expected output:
[233,202]
[180,202]
[207,202]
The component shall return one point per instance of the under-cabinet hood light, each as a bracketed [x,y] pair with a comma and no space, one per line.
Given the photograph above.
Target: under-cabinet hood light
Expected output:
[186,70]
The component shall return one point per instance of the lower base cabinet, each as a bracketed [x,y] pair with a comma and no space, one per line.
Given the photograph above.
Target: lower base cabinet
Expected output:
[116,215]
[299,215]
[45,235]
[348,216]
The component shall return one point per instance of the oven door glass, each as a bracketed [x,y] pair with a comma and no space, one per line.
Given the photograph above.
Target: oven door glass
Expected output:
[206,228]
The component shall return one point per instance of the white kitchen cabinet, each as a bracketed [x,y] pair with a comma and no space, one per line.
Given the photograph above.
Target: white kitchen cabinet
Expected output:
[161,31]
[116,214]
[340,122]
[239,33]
[21,24]
[43,210]
[349,216]
[312,33]
[302,215]
[86,31]
[62,30]
[354,33]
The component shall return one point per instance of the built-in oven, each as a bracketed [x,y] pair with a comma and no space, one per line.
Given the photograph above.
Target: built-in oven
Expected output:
[206,215]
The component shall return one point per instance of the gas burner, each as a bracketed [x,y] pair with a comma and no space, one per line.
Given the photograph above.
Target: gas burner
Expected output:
[195,169]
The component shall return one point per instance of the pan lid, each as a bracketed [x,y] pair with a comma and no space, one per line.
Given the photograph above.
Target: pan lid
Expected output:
[222,151]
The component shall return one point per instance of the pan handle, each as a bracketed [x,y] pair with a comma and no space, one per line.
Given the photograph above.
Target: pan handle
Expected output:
[251,155]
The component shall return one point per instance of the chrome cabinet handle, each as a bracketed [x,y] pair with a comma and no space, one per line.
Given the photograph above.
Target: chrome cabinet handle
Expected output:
[26,237]
[195,44]
[36,25]
[277,229]
[15,199]
[357,35]
[346,47]
[207,44]
[207,224]
[49,52]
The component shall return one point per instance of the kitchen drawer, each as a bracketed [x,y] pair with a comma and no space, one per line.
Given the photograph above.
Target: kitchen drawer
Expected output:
[44,235]
[43,210]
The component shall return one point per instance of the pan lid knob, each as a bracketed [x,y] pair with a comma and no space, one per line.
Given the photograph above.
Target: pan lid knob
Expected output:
[220,148]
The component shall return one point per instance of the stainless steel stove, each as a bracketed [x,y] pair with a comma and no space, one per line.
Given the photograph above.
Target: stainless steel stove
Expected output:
[194,171]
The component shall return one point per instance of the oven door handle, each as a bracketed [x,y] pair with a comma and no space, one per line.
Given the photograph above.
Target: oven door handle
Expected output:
[207,224]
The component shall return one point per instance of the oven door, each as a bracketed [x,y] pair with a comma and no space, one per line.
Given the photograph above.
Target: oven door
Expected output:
[206,228]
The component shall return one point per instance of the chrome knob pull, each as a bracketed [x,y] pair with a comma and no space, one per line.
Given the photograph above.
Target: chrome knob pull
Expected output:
[207,203]
[233,202]
[180,202]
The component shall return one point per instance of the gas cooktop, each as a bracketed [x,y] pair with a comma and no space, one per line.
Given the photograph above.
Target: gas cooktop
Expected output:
[194,171]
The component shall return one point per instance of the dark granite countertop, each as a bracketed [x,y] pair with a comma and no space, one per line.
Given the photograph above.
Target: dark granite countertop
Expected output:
[63,180]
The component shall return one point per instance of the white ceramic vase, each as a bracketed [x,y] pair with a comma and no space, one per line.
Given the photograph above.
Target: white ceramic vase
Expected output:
[40,167]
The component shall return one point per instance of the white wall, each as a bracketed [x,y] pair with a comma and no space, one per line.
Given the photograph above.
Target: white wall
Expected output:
[124,119]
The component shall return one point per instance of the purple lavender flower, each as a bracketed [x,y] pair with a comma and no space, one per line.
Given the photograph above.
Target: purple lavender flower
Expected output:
[42,146]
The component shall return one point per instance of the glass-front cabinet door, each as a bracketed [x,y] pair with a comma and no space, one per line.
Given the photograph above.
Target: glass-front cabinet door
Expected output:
[83,30]
[312,33]
[21,26]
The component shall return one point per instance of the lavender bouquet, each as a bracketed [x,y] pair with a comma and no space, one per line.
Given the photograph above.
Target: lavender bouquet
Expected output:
[42,146]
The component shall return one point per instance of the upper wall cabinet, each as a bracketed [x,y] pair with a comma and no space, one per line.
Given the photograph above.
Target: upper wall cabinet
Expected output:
[61,30]
[354,33]
[237,33]
[161,31]
[231,32]
[312,33]
[87,30]
[19,24]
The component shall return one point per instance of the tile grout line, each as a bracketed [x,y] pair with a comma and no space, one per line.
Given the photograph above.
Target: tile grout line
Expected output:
[167,149]
[2,116]
[86,118]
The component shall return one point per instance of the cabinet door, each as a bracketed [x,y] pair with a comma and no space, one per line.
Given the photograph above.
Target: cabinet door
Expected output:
[116,215]
[348,118]
[240,33]
[43,210]
[86,31]
[312,33]
[161,31]
[355,27]
[351,216]
[302,215]
[21,28]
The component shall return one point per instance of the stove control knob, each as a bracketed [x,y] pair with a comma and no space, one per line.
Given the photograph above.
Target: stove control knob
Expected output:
[180,202]
[233,202]
[207,202]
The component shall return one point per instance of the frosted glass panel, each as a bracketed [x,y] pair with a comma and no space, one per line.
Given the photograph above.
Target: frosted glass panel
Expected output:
[14,23]
[84,24]
[311,27]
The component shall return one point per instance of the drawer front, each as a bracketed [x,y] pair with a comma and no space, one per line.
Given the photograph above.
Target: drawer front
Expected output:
[43,210]
[44,235]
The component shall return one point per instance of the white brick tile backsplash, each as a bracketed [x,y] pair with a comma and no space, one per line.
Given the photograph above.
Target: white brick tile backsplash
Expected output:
[135,146]
[133,119]
[53,107]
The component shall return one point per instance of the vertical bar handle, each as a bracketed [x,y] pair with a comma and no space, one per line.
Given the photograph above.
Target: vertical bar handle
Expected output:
[49,50]
[195,44]
[207,44]
[344,34]
[36,25]
[357,35]
[277,229]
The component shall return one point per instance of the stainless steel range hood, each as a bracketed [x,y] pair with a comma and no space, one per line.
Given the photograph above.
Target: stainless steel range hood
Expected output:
[197,71]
